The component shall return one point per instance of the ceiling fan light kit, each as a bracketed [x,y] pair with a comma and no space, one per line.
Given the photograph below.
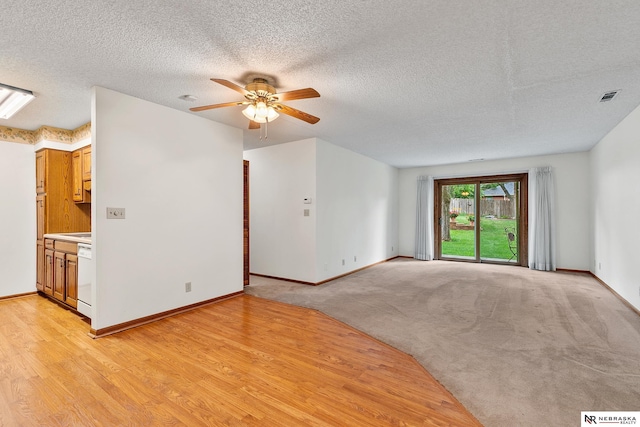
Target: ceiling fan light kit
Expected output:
[263,102]
[260,113]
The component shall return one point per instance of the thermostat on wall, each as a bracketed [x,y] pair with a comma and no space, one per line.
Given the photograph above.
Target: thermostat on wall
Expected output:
[307,200]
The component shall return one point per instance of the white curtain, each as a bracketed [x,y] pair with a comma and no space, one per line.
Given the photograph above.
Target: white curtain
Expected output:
[542,223]
[424,219]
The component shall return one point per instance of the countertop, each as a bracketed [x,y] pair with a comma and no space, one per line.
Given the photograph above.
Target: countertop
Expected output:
[71,237]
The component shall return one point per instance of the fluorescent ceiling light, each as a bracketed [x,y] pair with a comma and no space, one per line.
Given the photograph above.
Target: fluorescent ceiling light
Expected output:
[12,99]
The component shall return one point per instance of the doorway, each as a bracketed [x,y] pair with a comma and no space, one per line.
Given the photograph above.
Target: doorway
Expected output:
[482,219]
[246,218]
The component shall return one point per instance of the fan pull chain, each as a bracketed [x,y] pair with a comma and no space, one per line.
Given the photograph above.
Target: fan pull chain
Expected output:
[266,130]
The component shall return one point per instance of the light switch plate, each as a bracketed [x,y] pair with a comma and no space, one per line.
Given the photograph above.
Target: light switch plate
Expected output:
[115,213]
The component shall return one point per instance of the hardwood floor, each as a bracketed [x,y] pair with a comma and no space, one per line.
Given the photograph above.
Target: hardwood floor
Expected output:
[240,362]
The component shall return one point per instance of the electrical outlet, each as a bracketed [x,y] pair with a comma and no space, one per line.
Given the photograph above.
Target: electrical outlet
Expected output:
[342,262]
[391,248]
[306,212]
[187,287]
[115,213]
[355,259]
[599,266]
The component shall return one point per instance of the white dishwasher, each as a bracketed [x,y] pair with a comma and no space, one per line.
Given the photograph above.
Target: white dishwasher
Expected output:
[85,276]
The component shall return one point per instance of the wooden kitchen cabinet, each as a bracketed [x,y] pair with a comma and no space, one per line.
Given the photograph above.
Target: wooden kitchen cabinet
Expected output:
[65,272]
[40,172]
[61,215]
[59,275]
[86,163]
[78,165]
[40,212]
[40,266]
[76,173]
[57,213]
[71,285]
[40,243]
[48,272]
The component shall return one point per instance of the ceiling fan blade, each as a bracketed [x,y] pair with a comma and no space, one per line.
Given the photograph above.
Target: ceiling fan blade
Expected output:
[211,107]
[296,113]
[254,125]
[231,85]
[297,94]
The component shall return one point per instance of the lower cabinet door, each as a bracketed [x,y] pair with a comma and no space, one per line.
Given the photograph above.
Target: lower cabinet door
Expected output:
[71,291]
[40,266]
[48,272]
[59,276]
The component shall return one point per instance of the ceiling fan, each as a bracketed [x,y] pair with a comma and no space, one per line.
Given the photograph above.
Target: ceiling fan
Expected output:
[264,103]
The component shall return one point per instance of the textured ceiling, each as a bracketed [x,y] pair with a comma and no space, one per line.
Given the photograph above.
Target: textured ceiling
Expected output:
[409,83]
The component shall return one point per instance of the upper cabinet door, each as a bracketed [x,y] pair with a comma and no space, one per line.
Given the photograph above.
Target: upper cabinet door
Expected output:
[41,164]
[81,174]
[40,214]
[76,173]
[86,163]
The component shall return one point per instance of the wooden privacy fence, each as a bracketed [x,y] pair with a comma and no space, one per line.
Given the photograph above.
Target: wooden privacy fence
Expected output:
[462,206]
[497,207]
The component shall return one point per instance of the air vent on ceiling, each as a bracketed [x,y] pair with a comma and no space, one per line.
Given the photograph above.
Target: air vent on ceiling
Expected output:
[609,96]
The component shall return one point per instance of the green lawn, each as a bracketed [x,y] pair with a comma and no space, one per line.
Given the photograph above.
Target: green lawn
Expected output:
[493,239]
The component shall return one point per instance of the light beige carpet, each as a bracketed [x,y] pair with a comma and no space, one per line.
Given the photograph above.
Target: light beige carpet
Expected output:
[517,347]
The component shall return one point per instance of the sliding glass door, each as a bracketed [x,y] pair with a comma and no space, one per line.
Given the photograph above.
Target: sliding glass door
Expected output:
[482,219]
[458,213]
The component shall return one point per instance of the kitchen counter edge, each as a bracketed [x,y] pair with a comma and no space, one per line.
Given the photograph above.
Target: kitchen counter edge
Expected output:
[68,238]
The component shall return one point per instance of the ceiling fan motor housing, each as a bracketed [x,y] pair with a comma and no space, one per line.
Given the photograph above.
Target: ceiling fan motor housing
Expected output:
[260,87]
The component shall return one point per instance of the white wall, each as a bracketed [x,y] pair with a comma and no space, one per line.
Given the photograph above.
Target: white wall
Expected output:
[357,211]
[17,219]
[283,240]
[179,177]
[354,210]
[572,194]
[615,173]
